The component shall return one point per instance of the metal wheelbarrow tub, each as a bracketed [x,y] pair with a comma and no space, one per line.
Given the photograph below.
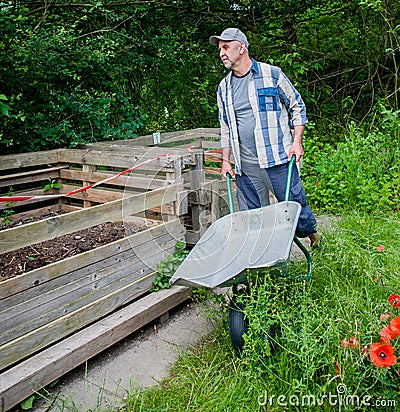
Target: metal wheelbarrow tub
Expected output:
[250,239]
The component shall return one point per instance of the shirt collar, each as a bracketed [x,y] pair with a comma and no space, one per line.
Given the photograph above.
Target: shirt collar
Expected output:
[254,67]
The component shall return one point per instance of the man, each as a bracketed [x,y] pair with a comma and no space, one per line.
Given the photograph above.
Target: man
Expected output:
[262,118]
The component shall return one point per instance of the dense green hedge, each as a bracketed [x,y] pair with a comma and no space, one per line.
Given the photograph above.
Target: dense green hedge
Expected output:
[75,72]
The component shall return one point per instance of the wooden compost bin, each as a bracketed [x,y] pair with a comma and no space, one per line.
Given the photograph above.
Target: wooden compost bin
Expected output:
[56,317]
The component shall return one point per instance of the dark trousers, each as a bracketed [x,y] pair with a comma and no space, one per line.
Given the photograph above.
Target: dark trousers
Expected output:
[253,192]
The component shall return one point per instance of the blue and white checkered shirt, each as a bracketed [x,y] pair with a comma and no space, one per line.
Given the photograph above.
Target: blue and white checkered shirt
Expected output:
[277,107]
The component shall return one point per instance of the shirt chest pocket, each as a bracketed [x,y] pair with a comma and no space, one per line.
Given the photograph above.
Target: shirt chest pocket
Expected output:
[267,99]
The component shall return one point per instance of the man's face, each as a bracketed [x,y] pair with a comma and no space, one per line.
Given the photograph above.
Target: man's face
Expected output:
[229,52]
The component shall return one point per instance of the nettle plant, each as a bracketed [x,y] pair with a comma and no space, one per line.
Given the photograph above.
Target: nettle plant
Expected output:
[7,214]
[168,266]
[51,185]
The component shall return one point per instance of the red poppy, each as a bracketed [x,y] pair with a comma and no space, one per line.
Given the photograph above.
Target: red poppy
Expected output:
[394,325]
[382,354]
[394,300]
[387,334]
[380,248]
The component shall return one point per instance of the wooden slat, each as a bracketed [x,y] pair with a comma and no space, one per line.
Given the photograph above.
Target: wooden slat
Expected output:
[94,195]
[211,144]
[126,160]
[47,317]
[51,332]
[21,381]
[134,181]
[32,233]
[19,161]
[35,213]
[30,176]
[78,286]
[80,291]
[31,192]
[35,280]
[165,137]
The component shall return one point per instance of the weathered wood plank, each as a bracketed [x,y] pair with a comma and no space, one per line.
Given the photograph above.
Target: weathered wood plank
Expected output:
[79,292]
[15,238]
[30,176]
[125,160]
[18,161]
[14,288]
[31,192]
[21,381]
[40,212]
[148,183]
[18,349]
[167,137]
[94,195]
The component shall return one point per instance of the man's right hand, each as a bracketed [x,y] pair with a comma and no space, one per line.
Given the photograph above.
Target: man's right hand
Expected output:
[226,164]
[227,168]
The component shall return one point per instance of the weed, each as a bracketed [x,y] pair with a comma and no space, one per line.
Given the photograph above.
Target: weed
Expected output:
[52,185]
[168,266]
[7,213]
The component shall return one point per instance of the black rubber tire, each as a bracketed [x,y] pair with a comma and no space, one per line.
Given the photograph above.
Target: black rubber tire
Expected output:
[238,326]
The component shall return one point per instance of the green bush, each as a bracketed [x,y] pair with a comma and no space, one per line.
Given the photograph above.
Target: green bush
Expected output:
[360,173]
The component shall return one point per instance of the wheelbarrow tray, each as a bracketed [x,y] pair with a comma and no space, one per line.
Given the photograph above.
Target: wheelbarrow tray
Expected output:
[250,239]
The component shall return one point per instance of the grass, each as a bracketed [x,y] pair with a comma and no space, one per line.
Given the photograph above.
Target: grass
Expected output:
[355,272]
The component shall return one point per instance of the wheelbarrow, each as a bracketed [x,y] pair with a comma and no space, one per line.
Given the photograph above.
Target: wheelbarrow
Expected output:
[239,244]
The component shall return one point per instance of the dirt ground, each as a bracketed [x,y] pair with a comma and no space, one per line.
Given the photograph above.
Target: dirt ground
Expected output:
[32,257]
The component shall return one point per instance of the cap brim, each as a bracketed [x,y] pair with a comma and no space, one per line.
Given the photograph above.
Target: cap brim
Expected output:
[214,40]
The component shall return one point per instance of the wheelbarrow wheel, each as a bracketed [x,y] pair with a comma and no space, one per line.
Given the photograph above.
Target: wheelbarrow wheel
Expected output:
[238,326]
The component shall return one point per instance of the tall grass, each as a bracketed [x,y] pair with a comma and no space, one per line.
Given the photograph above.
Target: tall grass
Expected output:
[353,277]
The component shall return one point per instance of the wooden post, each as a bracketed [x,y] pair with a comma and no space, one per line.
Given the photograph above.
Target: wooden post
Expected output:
[170,211]
[197,177]
[87,169]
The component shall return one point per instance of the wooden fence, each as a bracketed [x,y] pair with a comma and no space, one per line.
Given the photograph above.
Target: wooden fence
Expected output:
[57,316]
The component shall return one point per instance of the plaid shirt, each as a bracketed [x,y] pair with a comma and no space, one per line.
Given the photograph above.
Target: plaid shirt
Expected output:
[277,107]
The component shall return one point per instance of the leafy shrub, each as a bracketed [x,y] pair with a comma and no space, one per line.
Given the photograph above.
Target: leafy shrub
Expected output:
[168,266]
[360,173]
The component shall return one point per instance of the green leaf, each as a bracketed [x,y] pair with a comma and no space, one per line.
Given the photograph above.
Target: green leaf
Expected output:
[28,403]
[4,109]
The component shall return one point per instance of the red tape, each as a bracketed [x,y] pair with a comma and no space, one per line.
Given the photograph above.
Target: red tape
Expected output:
[83,189]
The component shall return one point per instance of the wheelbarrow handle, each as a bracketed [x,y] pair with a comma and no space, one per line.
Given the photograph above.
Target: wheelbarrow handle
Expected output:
[287,191]
[230,197]
[289,177]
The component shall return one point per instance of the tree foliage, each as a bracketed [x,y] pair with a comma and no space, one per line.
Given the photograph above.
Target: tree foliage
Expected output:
[78,71]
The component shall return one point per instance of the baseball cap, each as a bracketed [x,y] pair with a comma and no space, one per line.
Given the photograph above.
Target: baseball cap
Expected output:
[230,35]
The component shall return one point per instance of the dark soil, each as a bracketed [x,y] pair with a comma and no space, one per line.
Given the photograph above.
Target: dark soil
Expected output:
[32,257]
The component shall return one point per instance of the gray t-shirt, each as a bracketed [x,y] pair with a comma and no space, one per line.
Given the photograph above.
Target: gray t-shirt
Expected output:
[245,121]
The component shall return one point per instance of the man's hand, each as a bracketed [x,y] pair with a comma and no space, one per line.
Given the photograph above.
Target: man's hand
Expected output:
[226,164]
[296,149]
[297,146]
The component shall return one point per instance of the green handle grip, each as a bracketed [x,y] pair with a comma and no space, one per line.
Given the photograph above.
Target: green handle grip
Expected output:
[230,198]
